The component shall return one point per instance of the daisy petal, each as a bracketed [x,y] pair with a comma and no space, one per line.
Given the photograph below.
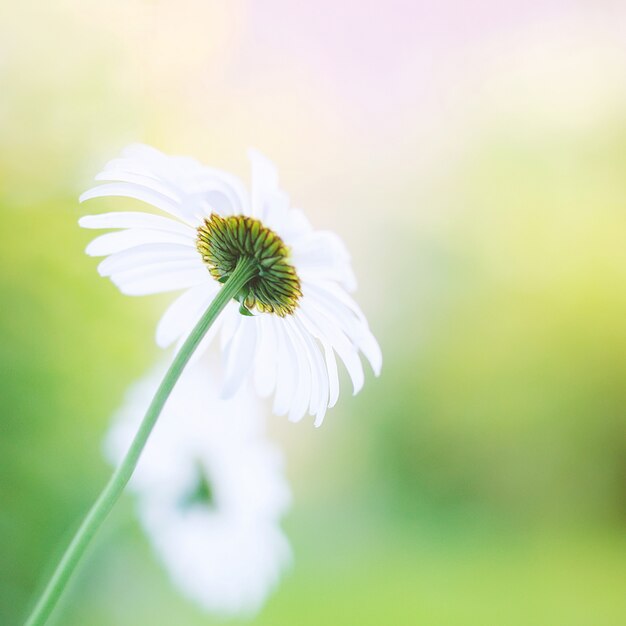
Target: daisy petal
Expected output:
[351,319]
[285,373]
[160,282]
[182,315]
[129,219]
[264,182]
[304,378]
[265,360]
[148,254]
[333,374]
[320,389]
[121,171]
[323,256]
[239,357]
[130,190]
[320,326]
[110,243]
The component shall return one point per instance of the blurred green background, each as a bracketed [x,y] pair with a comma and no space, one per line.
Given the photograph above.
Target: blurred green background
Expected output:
[474,159]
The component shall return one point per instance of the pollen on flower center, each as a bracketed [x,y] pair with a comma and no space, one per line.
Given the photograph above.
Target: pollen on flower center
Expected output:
[223,241]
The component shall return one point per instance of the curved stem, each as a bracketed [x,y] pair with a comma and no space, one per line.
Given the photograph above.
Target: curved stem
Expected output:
[100,509]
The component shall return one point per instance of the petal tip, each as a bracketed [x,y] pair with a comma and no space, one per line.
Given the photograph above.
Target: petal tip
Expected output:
[162,341]
[319,419]
[86,221]
[86,195]
[89,250]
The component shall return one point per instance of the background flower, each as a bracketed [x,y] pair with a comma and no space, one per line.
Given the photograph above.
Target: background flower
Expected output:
[210,491]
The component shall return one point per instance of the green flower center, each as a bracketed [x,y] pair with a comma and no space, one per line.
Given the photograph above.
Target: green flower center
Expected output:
[201,493]
[275,286]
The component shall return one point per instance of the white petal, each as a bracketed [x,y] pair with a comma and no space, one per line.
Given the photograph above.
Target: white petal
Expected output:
[304,374]
[148,254]
[329,374]
[138,192]
[193,177]
[231,325]
[148,161]
[121,170]
[334,294]
[240,356]
[320,326]
[143,152]
[320,388]
[285,371]
[136,219]
[159,283]
[323,255]
[149,270]
[183,314]
[276,213]
[110,243]
[264,182]
[265,360]
[361,336]
[350,318]
[195,189]
[369,346]
[298,223]
[333,374]
[216,191]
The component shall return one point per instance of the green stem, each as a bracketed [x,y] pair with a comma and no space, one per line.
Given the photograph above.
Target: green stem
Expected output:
[100,509]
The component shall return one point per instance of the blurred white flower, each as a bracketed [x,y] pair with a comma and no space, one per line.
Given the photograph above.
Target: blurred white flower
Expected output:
[296,310]
[210,491]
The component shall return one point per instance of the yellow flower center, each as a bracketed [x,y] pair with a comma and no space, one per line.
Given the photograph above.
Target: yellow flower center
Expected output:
[223,241]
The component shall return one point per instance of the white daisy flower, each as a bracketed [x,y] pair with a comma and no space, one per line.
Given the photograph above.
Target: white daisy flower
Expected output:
[293,317]
[210,491]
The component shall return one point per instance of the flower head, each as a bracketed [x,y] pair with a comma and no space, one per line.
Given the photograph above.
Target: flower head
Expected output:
[223,241]
[293,317]
[210,491]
